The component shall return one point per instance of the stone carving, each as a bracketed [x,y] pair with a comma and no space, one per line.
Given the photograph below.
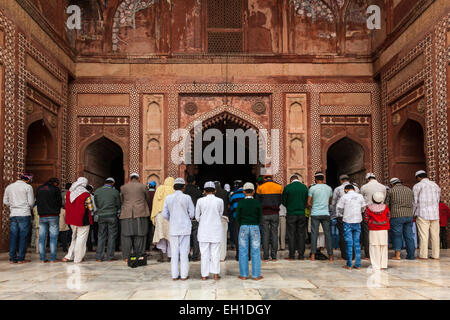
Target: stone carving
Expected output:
[29,108]
[53,121]
[297,152]
[259,107]
[154,116]
[314,9]
[121,132]
[190,108]
[328,133]
[296,116]
[396,118]
[153,154]
[363,132]
[421,106]
[86,131]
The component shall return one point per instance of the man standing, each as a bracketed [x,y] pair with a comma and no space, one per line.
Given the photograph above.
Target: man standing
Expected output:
[20,200]
[368,190]
[179,210]
[133,217]
[337,194]
[319,199]
[194,192]
[64,230]
[426,209]
[49,203]
[208,213]
[151,195]
[444,215]
[400,202]
[107,201]
[222,194]
[236,196]
[295,198]
[269,194]
[351,207]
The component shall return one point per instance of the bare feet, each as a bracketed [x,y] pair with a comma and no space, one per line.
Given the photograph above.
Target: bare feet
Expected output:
[347,267]
[422,258]
[216,277]
[313,257]
[434,258]
[204,278]
[395,258]
[12,262]
[242,278]
[184,279]
[274,260]
[65,260]
[24,261]
[331,258]
[44,261]
[98,260]
[357,268]
[266,260]
[258,278]
[289,259]
[55,261]
[175,279]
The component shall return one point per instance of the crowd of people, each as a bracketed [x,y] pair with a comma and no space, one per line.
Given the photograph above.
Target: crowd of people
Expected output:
[185,222]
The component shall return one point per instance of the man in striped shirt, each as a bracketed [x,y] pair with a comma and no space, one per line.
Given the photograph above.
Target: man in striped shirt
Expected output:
[426,210]
[400,202]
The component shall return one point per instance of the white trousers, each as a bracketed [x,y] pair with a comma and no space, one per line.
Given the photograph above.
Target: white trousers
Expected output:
[428,229]
[179,247]
[77,248]
[223,244]
[378,249]
[210,258]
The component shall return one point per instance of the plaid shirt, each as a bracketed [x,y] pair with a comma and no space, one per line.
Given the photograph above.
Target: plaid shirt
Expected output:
[400,200]
[89,204]
[426,199]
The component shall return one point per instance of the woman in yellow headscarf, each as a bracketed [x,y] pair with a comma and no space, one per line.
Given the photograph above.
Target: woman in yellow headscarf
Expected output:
[161,235]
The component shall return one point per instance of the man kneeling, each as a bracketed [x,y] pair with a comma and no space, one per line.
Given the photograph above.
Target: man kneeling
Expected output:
[208,213]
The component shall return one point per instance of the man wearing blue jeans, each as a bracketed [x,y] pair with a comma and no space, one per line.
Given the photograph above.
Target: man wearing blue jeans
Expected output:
[249,217]
[19,198]
[49,203]
[400,199]
[319,199]
[350,206]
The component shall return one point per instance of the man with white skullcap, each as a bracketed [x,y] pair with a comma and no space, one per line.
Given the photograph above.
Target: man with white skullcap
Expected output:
[426,210]
[208,212]
[400,202]
[179,210]
[368,190]
[134,217]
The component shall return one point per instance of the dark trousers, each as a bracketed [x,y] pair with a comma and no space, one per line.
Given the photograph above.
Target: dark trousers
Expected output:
[325,221]
[149,239]
[365,238]
[269,228]
[19,230]
[443,236]
[296,230]
[194,241]
[92,238]
[342,244]
[64,239]
[107,233]
[133,244]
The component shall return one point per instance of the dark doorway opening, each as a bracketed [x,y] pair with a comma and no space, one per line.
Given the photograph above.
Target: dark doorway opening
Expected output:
[227,173]
[409,153]
[41,153]
[345,157]
[104,158]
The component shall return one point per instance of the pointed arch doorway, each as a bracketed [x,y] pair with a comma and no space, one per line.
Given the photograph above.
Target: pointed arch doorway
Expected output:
[244,165]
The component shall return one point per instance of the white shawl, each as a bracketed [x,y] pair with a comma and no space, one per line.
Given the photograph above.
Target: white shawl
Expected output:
[78,188]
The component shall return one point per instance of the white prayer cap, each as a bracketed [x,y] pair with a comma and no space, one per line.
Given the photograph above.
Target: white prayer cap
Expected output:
[344,176]
[394,181]
[420,172]
[249,186]
[179,181]
[378,197]
[227,187]
[370,175]
[110,179]
[210,185]
[134,175]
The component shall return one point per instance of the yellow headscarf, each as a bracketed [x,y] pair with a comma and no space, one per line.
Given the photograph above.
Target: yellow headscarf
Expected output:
[160,195]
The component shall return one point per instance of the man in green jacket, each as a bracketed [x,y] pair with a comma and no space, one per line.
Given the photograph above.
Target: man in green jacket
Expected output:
[107,201]
[295,199]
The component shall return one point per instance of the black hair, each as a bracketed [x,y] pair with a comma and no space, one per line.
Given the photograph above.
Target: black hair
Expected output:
[319,176]
[68,186]
[178,186]
[190,179]
[90,188]
[248,190]
[349,187]
[422,175]
[108,181]
[53,180]
[210,189]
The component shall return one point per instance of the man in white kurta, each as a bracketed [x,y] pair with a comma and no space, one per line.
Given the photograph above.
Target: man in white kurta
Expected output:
[179,210]
[209,213]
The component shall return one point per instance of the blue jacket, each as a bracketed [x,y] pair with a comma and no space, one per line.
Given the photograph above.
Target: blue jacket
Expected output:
[235,197]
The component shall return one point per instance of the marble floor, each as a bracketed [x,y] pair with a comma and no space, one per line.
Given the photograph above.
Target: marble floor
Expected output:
[286,280]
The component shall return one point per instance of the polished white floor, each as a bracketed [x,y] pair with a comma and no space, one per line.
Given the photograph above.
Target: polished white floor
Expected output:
[91,280]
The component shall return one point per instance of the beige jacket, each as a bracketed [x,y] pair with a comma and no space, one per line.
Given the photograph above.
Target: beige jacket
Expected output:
[134,197]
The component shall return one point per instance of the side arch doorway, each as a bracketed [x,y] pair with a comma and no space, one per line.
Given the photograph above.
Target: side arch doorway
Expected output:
[345,156]
[103,158]
[409,152]
[41,153]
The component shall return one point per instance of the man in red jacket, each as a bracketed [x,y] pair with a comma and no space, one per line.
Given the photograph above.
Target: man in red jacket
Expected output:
[444,214]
